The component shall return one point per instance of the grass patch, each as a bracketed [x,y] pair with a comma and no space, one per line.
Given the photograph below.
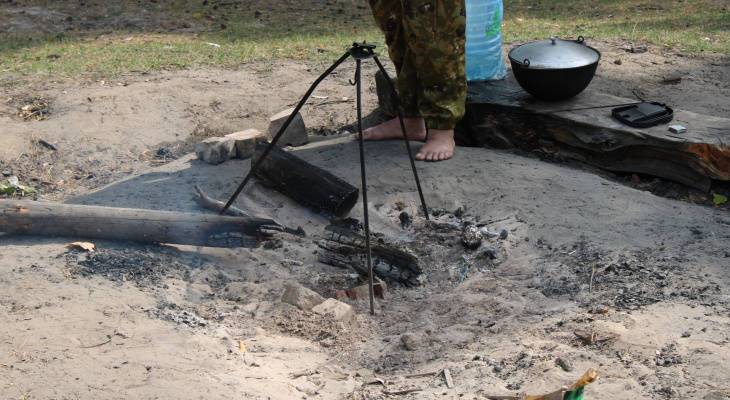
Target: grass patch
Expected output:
[691,26]
[179,34]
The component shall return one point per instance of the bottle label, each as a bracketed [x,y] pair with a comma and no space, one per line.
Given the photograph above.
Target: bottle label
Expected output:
[493,28]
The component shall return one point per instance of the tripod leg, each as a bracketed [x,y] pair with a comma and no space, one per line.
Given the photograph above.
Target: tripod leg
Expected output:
[358,83]
[281,131]
[394,93]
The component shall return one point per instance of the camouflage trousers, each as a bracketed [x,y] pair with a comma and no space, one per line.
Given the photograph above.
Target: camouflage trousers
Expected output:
[425,41]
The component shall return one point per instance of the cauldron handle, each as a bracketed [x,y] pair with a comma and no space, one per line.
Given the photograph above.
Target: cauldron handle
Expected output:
[581,40]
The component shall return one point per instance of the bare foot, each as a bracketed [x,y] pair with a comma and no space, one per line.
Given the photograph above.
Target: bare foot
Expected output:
[439,146]
[415,128]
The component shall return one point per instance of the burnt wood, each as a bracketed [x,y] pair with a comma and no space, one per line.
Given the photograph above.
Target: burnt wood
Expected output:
[307,184]
[341,247]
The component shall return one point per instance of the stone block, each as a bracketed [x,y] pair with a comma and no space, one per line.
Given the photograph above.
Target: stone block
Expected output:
[216,150]
[245,142]
[336,310]
[299,296]
[295,134]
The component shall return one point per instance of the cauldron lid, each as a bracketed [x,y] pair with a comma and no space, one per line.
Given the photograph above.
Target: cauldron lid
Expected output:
[555,54]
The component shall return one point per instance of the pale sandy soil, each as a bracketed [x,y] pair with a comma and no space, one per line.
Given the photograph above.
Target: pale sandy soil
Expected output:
[662,278]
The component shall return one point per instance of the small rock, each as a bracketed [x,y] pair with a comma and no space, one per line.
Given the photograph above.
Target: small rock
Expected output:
[487,252]
[164,152]
[337,310]
[299,296]
[667,391]
[637,49]
[503,234]
[409,341]
[618,62]
[471,238]
[245,142]
[405,219]
[673,78]
[485,232]
[497,368]
[564,364]
[216,150]
[295,134]
[459,212]
[686,334]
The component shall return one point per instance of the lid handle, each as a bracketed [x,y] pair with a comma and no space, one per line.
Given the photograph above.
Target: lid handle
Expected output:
[553,39]
[526,62]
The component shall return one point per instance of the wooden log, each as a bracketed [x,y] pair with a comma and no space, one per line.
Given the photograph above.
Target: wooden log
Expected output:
[307,184]
[500,114]
[23,217]
[344,248]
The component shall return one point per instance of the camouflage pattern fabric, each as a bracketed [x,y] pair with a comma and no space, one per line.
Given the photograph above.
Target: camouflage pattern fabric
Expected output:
[426,43]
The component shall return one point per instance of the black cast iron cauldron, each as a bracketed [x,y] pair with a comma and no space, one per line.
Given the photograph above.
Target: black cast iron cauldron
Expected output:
[554,69]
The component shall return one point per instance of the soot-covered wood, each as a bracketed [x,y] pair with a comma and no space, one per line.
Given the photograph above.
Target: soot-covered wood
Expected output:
[23,217]
[341,247]
[308,184]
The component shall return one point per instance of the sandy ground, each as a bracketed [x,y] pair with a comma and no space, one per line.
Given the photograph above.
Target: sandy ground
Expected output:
[584,252]
[660,287]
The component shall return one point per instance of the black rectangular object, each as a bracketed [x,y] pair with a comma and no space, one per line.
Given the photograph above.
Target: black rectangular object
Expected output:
[643,115]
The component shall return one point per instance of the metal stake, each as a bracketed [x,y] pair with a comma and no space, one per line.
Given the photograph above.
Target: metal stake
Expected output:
[364,179]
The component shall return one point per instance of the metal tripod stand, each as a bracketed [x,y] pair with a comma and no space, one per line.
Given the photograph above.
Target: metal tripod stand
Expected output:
[359,52]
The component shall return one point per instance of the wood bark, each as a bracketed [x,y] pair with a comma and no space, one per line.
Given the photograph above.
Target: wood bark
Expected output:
[25,217]
[307,184]
[344,248]
[501,114]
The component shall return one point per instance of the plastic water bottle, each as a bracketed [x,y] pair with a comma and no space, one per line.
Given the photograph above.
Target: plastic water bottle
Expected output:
[484,59]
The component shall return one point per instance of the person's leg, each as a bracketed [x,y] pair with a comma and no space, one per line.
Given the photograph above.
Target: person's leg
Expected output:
[389,17]
[434,33]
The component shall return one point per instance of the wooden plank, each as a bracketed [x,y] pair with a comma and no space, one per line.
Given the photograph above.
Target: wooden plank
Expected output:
[501,114]
[23,217]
